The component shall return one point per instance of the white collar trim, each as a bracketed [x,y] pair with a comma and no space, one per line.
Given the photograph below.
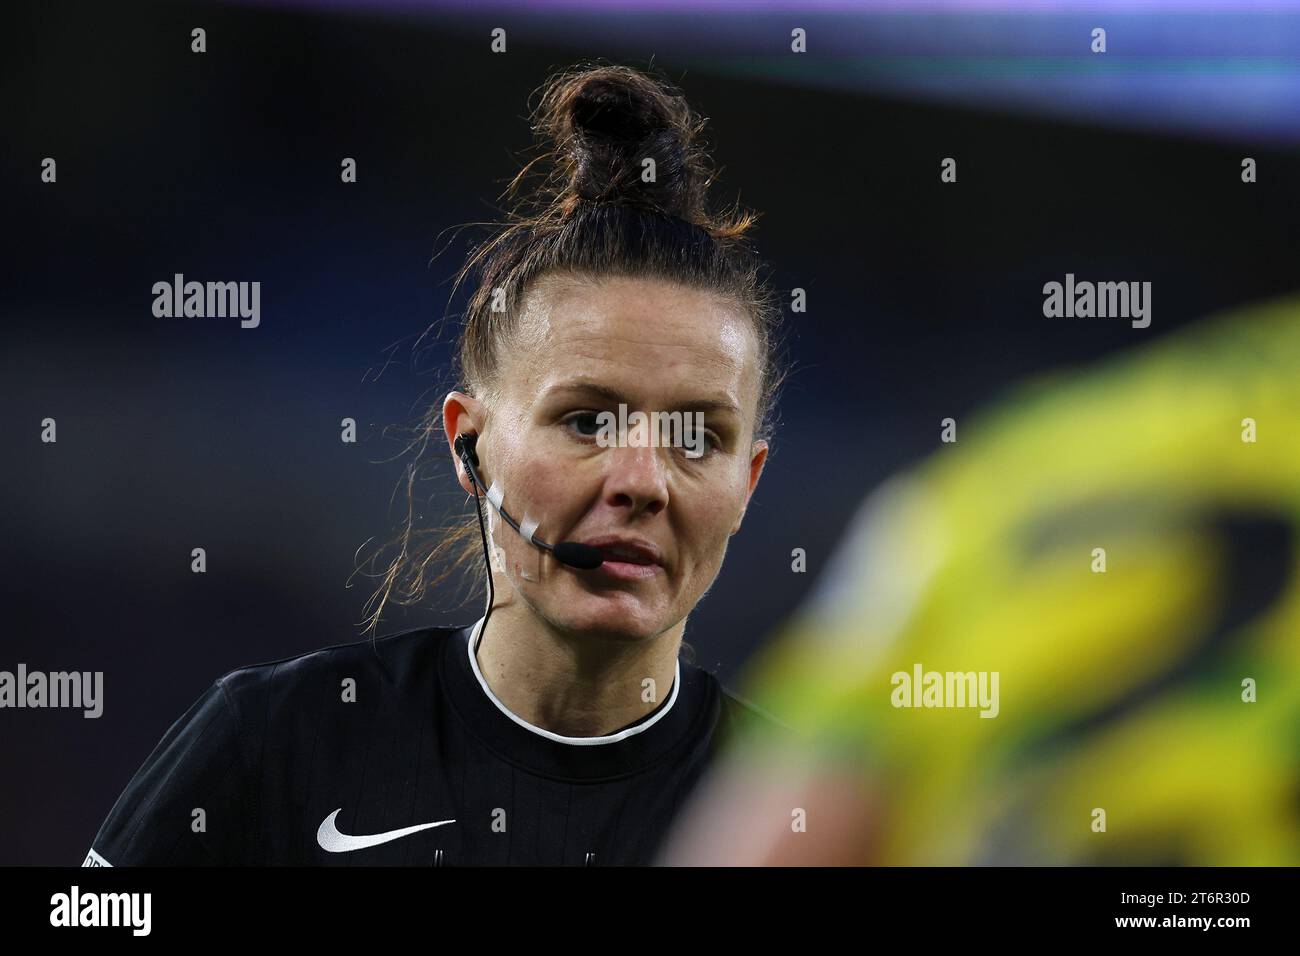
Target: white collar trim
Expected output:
[560,738]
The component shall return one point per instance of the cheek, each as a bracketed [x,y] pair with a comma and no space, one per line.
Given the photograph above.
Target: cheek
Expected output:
[709,518]
[540,489]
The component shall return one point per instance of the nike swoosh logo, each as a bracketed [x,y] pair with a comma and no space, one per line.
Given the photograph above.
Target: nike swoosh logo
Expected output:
[332,841]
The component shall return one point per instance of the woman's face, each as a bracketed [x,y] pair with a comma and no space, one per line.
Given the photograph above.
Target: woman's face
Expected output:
[581,348]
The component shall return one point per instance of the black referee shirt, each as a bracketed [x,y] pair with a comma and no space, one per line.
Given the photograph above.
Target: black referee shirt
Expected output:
[396,752]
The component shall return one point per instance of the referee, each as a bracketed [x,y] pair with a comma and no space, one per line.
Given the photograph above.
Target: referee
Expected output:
[564,726]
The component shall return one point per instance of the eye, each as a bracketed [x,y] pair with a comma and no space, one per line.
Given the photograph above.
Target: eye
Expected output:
[582,423]
[695,439]
[587,425]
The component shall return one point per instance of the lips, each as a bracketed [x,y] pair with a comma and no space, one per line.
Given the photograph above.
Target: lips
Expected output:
[626,550]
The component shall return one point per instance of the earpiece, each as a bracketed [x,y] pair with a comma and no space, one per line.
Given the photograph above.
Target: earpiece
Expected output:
[465,448]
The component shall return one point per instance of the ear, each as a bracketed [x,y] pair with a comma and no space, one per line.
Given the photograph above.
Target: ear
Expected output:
[462,413]
[758,458]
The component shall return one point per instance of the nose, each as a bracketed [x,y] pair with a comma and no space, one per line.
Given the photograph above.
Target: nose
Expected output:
[636,479]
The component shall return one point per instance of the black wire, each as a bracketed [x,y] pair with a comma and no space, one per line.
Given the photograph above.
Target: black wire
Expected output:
[478,510]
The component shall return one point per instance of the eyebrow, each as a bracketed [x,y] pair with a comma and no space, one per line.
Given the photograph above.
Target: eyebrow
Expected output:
[614,395]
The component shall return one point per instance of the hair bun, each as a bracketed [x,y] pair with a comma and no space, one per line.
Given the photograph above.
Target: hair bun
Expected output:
[604,122]
[603,108]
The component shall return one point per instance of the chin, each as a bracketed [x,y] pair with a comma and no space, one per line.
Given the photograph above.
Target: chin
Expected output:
[617,614]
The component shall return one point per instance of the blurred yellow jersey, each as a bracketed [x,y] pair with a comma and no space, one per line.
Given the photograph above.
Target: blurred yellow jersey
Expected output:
[1073,634]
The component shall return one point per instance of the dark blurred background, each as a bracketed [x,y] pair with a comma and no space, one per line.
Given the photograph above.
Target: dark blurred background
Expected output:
[924,298]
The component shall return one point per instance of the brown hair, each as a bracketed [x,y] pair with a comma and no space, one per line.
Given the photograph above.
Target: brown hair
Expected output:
[595,211]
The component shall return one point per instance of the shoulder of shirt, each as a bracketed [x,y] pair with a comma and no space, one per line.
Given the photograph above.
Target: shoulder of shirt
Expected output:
[746,711]
[379,651]
[740,714]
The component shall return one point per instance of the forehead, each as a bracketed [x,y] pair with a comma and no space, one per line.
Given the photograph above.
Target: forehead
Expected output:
[650,338]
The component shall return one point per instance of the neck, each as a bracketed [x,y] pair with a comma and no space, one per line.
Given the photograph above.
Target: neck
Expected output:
[574,684]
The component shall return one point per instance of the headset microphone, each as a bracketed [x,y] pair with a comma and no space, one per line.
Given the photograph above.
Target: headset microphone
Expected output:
[581,556]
